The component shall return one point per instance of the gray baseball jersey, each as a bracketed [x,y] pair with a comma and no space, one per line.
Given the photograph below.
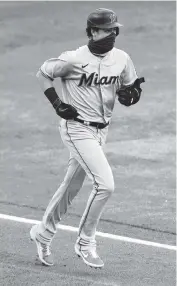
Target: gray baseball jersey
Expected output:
[89,83]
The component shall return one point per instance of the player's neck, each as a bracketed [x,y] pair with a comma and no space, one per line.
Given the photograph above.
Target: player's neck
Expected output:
[100,56]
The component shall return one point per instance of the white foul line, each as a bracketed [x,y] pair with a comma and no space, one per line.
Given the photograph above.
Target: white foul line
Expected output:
[101,234]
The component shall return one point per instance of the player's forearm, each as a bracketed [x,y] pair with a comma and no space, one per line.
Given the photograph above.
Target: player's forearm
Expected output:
[43,81]
[47,87]
[62,109]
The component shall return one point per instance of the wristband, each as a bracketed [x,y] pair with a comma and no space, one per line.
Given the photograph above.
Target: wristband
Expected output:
[52,96]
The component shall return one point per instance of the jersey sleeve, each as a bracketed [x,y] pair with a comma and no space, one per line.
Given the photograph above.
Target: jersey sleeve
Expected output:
[128,76]
[56,67]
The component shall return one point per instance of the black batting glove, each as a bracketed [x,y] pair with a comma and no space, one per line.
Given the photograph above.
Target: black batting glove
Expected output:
[65,110]
[131,94]
[62,109]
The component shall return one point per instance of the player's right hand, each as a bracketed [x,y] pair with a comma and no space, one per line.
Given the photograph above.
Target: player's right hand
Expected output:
[66,111]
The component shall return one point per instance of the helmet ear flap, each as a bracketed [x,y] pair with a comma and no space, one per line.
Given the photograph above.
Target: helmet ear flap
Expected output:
[88,32]
[117,31]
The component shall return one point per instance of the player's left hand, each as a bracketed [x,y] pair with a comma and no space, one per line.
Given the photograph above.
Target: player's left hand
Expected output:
[130,95]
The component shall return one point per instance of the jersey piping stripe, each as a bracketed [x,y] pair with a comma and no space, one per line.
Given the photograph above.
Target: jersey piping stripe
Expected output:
[97,185]
[46,75]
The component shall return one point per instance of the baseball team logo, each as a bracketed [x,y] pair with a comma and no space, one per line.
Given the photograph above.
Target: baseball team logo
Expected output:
[112,18]
[94,79]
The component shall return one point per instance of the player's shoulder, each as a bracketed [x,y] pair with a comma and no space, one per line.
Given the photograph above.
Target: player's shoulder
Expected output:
[73,56]
[118,53]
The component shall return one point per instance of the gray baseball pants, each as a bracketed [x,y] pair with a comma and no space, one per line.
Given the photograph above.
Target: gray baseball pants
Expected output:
[87,157]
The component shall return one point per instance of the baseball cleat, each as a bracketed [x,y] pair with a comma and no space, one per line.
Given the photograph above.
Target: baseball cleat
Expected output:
[43,249]
[88,255]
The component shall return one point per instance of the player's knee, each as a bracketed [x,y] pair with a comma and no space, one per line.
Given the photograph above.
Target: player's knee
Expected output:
[109,186]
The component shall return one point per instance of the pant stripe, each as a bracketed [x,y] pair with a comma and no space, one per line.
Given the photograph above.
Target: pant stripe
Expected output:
[96,184]
[87,212]
[50,215]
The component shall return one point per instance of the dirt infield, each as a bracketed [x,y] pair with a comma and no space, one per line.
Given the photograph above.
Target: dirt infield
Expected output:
[140,147]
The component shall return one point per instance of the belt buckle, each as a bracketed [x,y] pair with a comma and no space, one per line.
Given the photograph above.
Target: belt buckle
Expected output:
[87,123]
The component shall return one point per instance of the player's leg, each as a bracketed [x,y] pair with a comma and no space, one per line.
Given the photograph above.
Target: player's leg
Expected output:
[91,157]
[43,233]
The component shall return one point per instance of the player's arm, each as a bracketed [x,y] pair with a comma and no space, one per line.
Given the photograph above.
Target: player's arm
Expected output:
[50,70]
[130,90]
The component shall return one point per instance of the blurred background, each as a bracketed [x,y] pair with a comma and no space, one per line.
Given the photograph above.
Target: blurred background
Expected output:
[141,141]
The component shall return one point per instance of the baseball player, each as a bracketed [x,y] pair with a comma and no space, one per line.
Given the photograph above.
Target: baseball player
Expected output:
[92,77]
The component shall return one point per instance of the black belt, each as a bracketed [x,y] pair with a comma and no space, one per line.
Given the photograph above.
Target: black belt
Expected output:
[94,124]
